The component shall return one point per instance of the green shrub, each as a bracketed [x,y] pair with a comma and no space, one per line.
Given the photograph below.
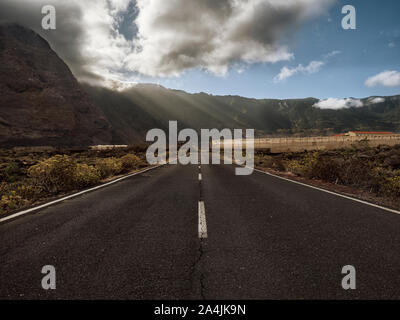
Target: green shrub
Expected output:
[350,169]
[304,167]
[353,170]
[11,202]
[85,176]
[28,192]
[294,166]
[325,169]
[54,174]
[3,188]
[108,166]
[130,162]
[11,172]
[62,173]
[357,172]
[392,186]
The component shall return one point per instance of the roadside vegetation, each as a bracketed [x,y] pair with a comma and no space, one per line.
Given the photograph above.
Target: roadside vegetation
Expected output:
[372,170]
[28,178]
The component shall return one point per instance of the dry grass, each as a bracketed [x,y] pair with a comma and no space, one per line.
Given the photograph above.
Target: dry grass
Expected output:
[374,170]
[27,178]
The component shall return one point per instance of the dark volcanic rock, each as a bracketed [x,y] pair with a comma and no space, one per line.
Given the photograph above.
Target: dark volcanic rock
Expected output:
[41,102]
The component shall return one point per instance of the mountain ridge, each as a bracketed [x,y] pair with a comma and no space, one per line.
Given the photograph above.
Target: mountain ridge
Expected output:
[41,102]
[266,116]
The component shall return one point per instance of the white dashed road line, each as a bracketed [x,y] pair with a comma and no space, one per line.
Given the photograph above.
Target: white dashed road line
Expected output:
[202,221]
[200,177]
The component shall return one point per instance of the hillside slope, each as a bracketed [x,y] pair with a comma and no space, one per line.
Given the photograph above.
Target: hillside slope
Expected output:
[41,103]
[145,106]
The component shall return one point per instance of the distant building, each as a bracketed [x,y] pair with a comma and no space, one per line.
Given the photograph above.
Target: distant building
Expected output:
[365,133]
[369,133]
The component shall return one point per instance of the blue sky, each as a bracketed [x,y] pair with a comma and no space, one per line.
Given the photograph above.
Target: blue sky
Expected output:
[370,49]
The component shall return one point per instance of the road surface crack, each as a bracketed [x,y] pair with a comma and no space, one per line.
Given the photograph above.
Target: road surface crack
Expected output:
[197,268]
[197,263]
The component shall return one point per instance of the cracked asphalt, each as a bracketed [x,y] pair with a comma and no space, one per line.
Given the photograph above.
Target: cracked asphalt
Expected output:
[138,239]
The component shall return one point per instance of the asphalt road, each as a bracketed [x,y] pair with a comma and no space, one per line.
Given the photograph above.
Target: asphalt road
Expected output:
[139,239]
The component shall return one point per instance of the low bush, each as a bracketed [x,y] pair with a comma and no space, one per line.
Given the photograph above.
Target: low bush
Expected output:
[62,173]
[305,166]
[391,187]
[32,177]
[269,162]
[85,176]
[11,172]
[11,202]
[294,166]
[357,172]
[28,192]
[108,166]
[3,188]
[349,168]
[130,162]
[54,174]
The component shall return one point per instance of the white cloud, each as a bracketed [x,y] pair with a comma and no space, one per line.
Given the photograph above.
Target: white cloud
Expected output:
[182,34]
[391,44]
[385,78]
[286,72]
[313,67]
[171,36]
[332,54]
[333,103]
[120,85]
[376,100]
[86,37]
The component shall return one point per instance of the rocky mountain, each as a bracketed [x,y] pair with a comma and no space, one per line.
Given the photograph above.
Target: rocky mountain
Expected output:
[41,103]
[145,106]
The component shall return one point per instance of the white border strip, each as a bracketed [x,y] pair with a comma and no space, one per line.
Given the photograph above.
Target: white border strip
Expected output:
[330,192]
[15,215]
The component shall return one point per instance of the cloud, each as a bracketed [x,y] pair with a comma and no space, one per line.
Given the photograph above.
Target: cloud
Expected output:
[376,100]
[385,78]
[119,85]
[212,35]
[335,104]
[117,38]
[286,72]
[65,40]
[332,54]
[313,67]
[87,35]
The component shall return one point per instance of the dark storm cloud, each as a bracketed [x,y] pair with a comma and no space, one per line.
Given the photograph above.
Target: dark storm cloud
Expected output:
[65,40]
[112,38]
[177,35]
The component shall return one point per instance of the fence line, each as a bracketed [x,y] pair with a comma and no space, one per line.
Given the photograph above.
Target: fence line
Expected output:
[316,143]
